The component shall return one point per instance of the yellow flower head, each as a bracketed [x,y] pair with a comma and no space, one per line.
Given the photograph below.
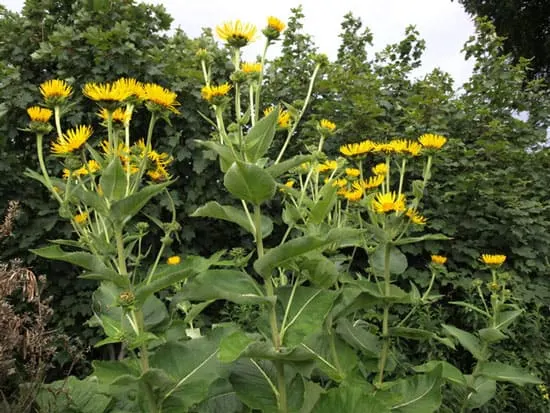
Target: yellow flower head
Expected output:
[352,195]
[160,174]
[493,260]
[388,202]
[174,260]
[327,125]
[357,149]
[372,182]
[237,33]
[119,115]
[91,167]
[430,141]
[439,259]
[398,145]
[213,93]
[380,169]
[107,92]
[283,120]
[415,217]
[413,148]
[353,172]
[38,114]
[131,86]
[251,67]
[160,97]
[81,218]
[72,141]
[275,24]
[327,166]
[337,183]
[55,91]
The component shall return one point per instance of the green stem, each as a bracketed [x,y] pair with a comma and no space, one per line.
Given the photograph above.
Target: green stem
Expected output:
[297,121]
[256,113]
[386,315]
[143,163]
[402,176]
[129,109]
[251,101]
[57,117]
[39,150]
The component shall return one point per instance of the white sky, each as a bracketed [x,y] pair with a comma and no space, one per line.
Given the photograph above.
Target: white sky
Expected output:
[442,23]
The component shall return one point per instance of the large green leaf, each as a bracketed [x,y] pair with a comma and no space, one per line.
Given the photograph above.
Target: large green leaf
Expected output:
[91,199]
[420,393]
[483,390]
[122,211]
[278,256]
[397,260]
[358,337]
[305,310]
[396,295]
[505,318]
[113,180]
[327,199]
[258,140]
[226,155]
[232,214]
[350,400]
[72,395]
[224,284]
[255,384]
[249,182]
[282,167]
[221,398]
[504,372]
[85,260]
[427,237]
[419,334]
[448,371]
[320,270]
[468,341]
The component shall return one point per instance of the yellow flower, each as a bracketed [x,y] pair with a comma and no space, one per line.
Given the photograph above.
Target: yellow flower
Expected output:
[251,67]
[72,141]
[38,114]
[380,169]
[415,217]
[327,166]
[119,115]
[174,260]
[210,92]
[132,86]
[493,260]
[275,24]
[388,202]
[338,183]
[237,33]
[283,120]
[55,91]
[91,167]
[107,92]
[353,172]
[413,148]
[372,182]
[160,174]
[439,259]
[288,184]
[160,96]
[356,149]
[81,218]
[327,125]
[398,145]
[430,141]
[353,195]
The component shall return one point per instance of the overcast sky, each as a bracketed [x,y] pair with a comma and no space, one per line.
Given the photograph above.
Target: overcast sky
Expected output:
[442,23]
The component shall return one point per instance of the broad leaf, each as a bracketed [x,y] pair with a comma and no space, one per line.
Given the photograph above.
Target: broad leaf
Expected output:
[249,182]
[359,338]
[448,372]
[427,237]
[491,335]
[122,211]
[255,384]
[221,398]
[468,341]
[421,393]
[350,400]
[484,389]
[258,139]
[504,372]
[113,180]
[397,260]
[282,167]
[327,199]
[232,214]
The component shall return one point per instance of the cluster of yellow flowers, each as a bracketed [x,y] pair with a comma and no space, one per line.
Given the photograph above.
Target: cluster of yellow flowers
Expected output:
[396,146]
[238,34]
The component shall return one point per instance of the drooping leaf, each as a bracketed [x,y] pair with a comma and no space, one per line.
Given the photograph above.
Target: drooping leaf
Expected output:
[232,214]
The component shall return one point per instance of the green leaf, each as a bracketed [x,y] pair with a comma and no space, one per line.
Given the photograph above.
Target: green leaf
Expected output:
[98,270]
[168,275]
[278,256]
[232,285]
[232,214]
[358,337]
[467,340]
[491,335]
[448,372]
[421,393]
[471,307]
[282,167]
[221,398]
[504,372]
[259,138]
[122,211]
[397,295]
[226,155]
[305,310]
[255,384]
[350,400]
[327,199]
[113,180]
[505,318]
[72,395]
[398,260]
[484,389]
[107,372]
[427,237]
[91,199]
[320,270]
[249,182]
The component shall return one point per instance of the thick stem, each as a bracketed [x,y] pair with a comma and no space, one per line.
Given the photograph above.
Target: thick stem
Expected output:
[402,175]
[386,316]
[256,114]
[40,154]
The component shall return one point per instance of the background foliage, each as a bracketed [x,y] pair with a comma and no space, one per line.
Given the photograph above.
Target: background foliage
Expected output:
[490,192]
